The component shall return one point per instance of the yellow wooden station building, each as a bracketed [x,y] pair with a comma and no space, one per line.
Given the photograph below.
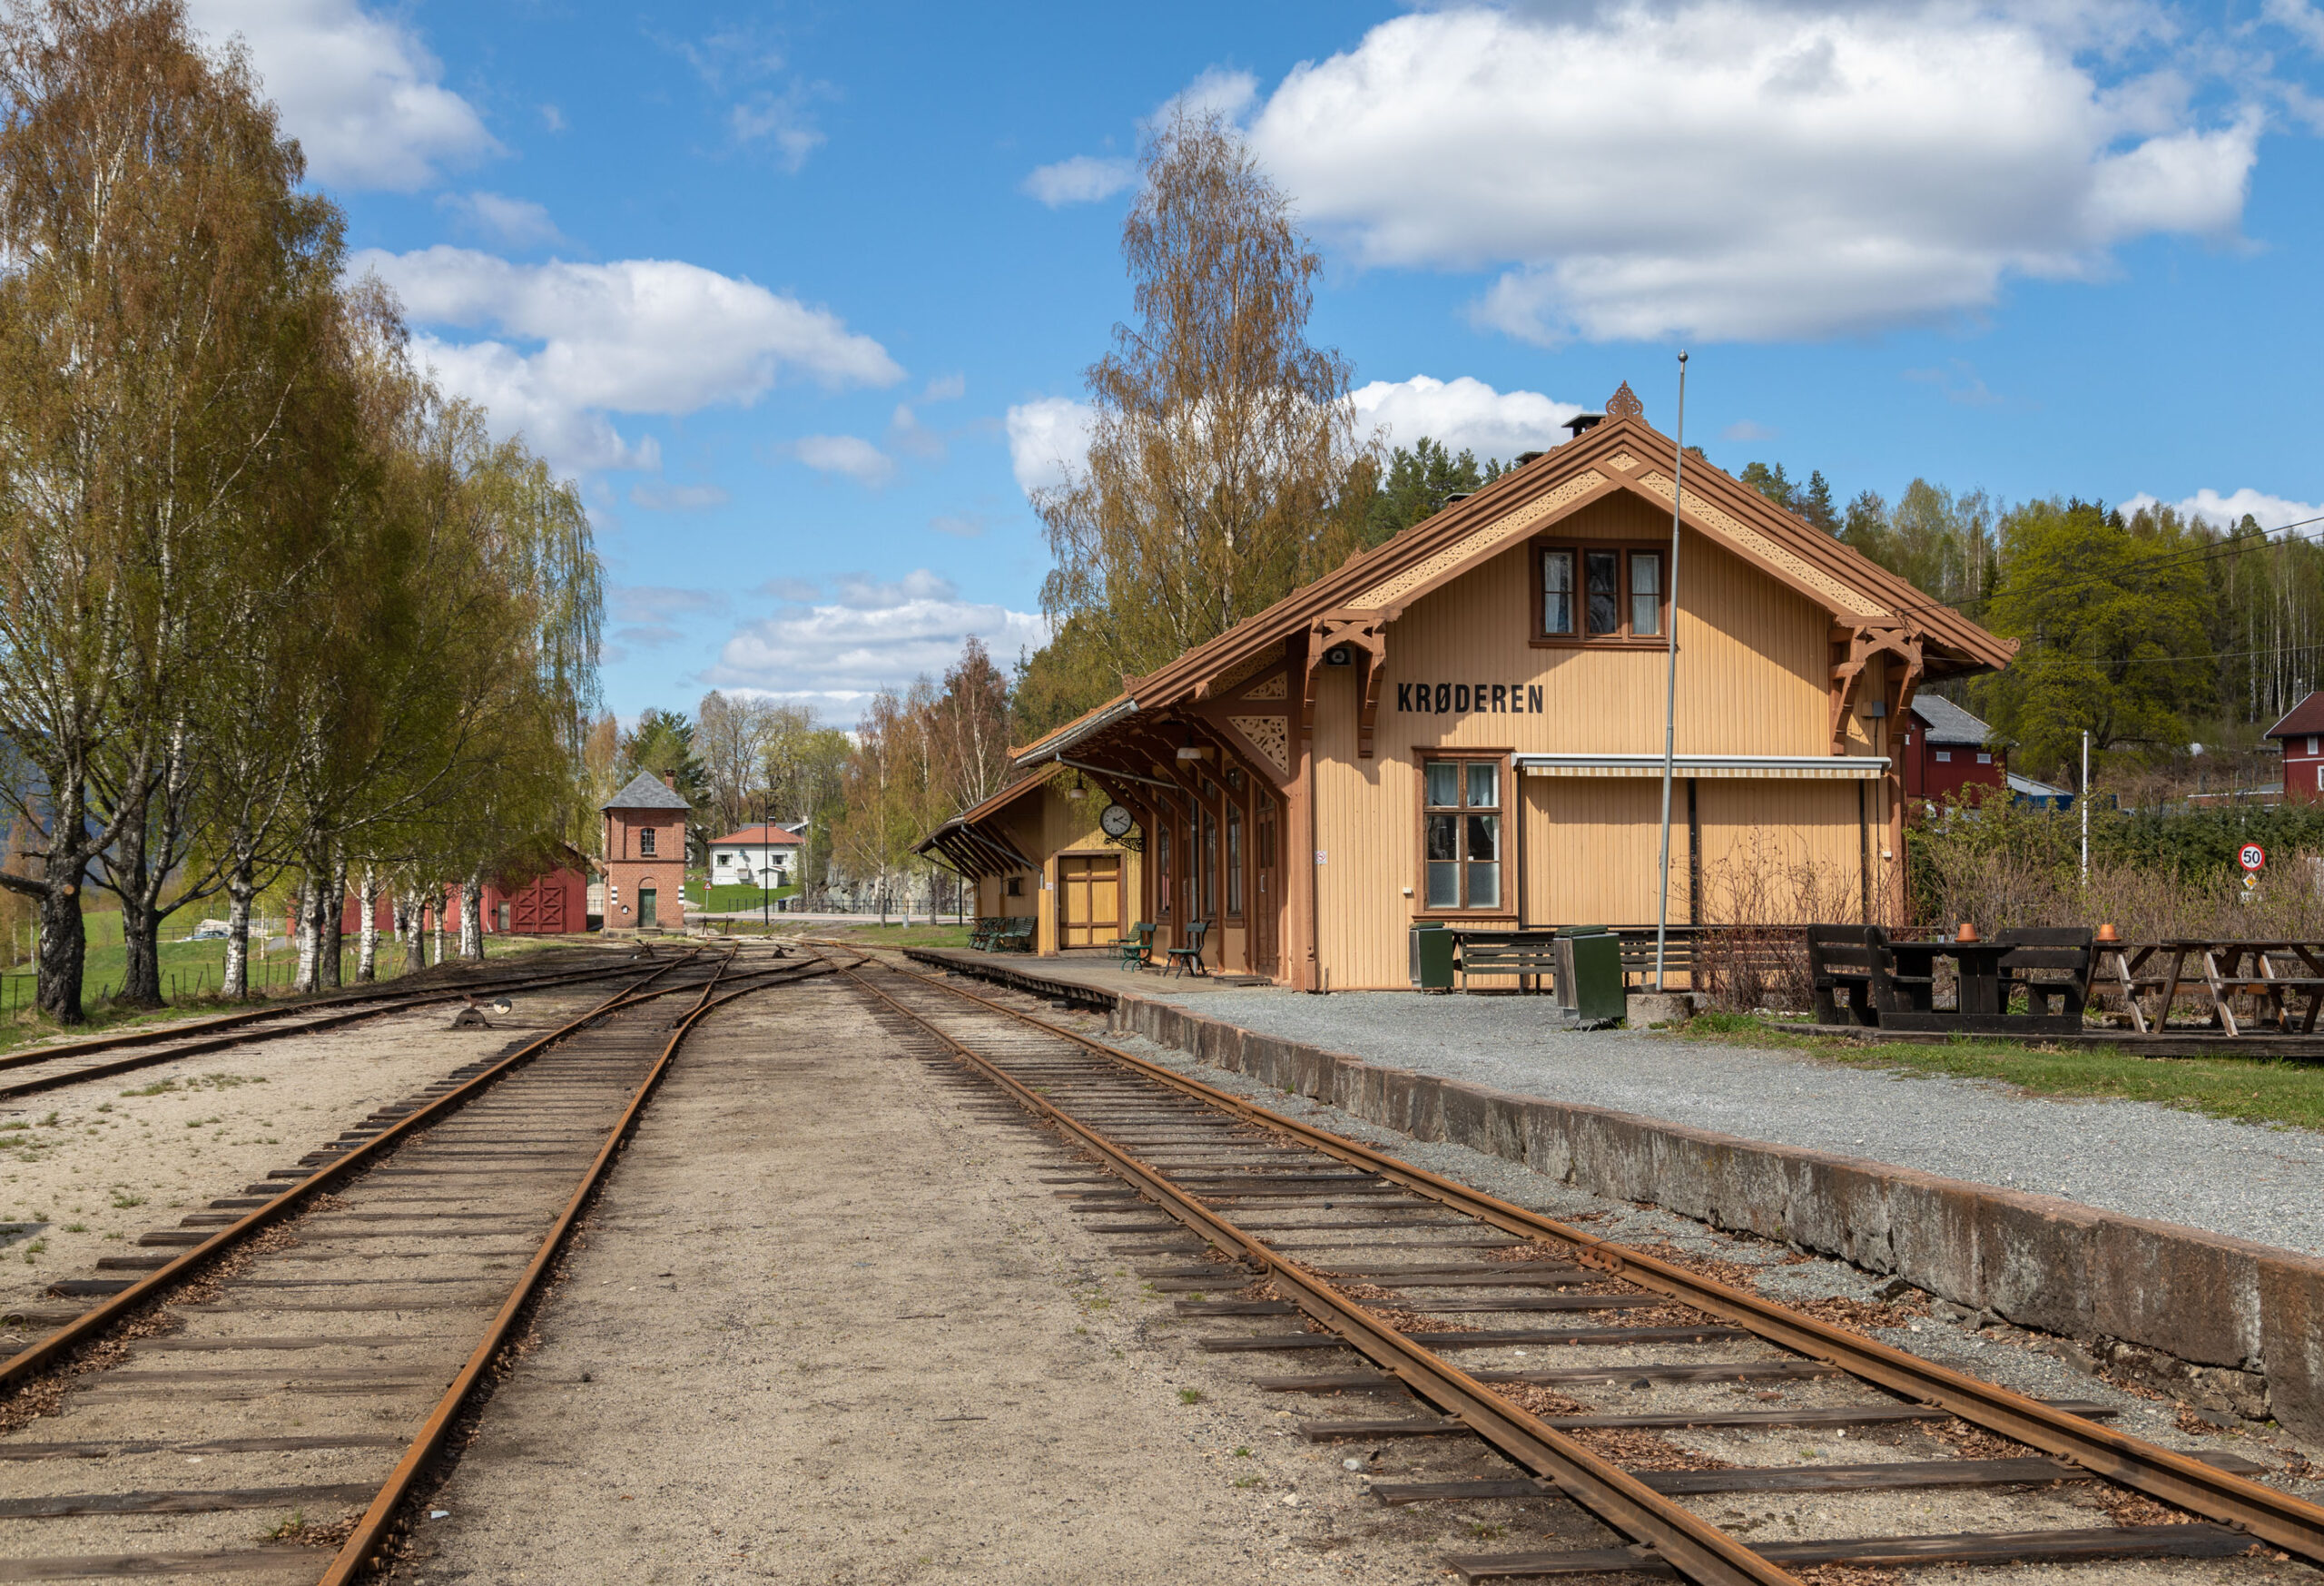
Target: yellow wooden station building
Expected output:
[1465,724]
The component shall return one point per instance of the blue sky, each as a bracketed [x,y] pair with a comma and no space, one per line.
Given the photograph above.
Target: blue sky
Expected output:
[803,295]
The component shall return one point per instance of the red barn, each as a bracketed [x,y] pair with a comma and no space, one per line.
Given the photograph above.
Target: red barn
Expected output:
[553,904]
[1945,750]
[2302,735]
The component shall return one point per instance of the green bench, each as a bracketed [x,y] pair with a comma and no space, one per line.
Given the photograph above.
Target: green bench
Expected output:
[1002,933]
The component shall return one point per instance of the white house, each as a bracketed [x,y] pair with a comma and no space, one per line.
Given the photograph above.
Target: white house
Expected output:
[754,855]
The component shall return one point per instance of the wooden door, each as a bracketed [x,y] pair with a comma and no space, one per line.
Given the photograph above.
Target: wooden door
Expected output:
[1266,887]
[645,900]
[1090,892]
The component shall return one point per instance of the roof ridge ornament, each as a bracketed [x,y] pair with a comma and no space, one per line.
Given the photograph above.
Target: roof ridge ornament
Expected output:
[1624,404]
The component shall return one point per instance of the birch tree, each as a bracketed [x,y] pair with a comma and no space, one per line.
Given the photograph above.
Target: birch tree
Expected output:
[1223,468]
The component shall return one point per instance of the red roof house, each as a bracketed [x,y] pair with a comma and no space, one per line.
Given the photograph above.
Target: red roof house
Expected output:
[1945,750]
[2301,734]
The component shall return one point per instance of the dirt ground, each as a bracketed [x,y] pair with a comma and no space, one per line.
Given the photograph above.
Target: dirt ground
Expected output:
[85,1169]
[829,1326]
[834,1322]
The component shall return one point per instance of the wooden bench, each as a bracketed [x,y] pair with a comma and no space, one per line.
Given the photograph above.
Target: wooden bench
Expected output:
[1506,952]
[2050,966]
[1136,948]
[1855,960]
[1187,960]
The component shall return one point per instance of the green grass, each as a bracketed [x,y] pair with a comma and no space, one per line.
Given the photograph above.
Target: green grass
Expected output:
[190,974]
[733,899]
[897,935]
[2247,1089]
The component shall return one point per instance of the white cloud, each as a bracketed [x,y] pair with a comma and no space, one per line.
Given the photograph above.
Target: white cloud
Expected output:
[1218,91]
[360,92]
[516,223]
[851,455]
[1960,382]
[1463,414]
[867,635]
[2271,512]
[945,388]
[1083,179]
[665,498]
[783,121]
[1047,439]
[576,342]
[648,616]
[1746,169]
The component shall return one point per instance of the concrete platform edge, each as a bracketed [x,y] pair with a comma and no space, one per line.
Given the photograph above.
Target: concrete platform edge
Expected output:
[2224,1323]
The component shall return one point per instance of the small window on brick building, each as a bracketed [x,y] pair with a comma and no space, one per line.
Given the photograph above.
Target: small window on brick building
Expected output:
[1984,760]
[645,841]
[1945,755]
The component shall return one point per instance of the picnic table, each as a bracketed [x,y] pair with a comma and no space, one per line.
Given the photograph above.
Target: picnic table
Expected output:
[2273,971]
[1892,984]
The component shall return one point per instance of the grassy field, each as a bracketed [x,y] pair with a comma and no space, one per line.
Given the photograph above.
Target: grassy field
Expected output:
[191,973]
[877,935]
[2249,1090]
[733,899]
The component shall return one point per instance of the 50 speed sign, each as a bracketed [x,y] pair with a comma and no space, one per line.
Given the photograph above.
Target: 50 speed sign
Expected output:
[2251,856]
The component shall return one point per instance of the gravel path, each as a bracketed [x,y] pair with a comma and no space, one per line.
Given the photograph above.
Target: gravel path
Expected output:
[2251,1182]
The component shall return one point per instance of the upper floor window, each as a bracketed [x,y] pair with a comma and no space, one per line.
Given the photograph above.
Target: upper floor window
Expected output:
[645,841]
[1591,592]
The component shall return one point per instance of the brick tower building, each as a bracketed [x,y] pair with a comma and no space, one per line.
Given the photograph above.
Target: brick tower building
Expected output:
[646,856]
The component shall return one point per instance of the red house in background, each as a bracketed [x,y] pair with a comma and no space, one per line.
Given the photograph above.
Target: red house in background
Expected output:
[1945,749]
[2302,735]
[554,904]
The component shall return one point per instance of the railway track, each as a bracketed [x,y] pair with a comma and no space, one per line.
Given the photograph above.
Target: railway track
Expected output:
[48,1067]
[1480,1322]
[309,1351]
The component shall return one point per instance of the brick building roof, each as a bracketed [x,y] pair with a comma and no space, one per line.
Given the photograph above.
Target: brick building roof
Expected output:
[648,791]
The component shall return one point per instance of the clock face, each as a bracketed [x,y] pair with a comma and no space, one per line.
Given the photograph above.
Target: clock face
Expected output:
[1115,822]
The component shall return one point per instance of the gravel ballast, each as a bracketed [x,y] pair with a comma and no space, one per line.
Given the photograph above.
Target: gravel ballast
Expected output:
[2259,1183]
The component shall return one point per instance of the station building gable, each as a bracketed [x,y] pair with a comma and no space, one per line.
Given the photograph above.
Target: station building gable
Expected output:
[1466,724]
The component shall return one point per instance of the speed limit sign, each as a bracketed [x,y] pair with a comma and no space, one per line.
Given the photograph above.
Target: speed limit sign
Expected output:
[2251,856]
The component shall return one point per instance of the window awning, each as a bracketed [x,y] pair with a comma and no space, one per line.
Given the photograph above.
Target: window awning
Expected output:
[1768,767]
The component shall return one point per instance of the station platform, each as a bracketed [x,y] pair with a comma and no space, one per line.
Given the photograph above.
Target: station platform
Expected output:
[1092,979]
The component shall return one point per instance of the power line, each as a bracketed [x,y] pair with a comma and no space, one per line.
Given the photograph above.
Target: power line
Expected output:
[2235,545]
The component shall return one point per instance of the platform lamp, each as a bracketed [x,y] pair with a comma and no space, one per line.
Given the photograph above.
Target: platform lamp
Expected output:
[766,857]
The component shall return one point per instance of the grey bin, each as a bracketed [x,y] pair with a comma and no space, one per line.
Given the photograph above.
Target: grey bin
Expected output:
[1589,976]
[1431,957]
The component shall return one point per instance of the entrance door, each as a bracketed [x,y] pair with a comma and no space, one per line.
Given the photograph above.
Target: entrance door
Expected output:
[1267,903]
[1091,888]
[645,908]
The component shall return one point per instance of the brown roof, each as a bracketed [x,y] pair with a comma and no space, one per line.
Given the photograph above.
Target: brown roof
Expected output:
[2307,716]
[1621,454]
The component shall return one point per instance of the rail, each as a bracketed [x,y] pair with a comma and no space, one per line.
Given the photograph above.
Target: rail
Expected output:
[1686,1544]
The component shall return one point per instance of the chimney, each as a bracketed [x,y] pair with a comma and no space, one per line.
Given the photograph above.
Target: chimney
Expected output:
[1581,422]
[670,780]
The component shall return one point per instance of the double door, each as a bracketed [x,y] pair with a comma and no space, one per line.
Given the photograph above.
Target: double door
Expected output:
[1089,899]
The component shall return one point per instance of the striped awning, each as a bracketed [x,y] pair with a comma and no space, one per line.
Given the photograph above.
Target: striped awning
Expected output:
[1766,767]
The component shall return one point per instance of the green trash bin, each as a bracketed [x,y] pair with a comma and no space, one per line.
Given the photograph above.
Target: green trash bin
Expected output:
[1431,957]
[1590,974]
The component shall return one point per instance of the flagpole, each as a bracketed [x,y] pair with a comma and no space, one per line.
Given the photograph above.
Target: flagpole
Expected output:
[1671,693]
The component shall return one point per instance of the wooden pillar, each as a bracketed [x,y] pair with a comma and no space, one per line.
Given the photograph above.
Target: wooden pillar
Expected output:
[1299,883]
